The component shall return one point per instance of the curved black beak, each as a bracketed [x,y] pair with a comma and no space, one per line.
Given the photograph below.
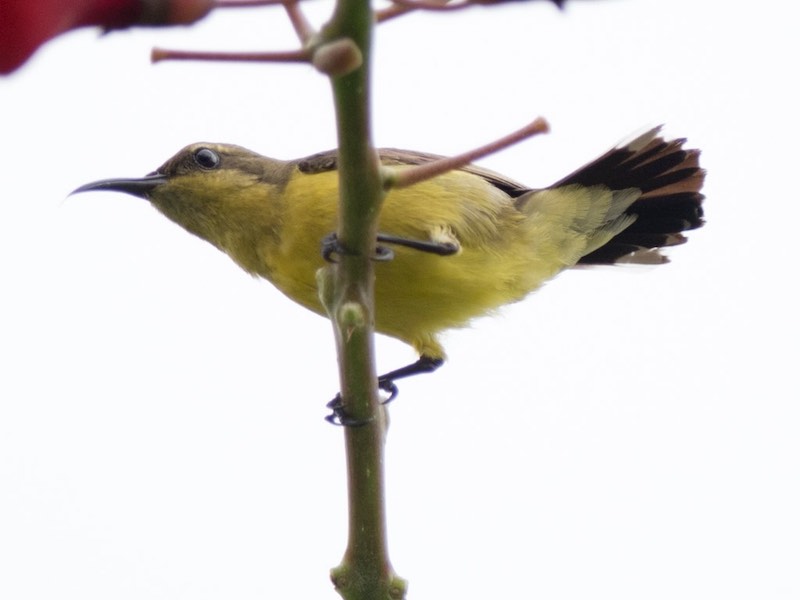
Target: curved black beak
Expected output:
[140,187]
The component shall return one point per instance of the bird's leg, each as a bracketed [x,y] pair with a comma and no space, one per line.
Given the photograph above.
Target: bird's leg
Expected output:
[425,364]
[331,245]
[440,248]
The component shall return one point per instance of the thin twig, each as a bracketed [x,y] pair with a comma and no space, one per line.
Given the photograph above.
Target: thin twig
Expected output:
[402,7]
[159,54]
[301,25]
[396,178]
[246,3]
[435,6]
[390,12]
[397,9]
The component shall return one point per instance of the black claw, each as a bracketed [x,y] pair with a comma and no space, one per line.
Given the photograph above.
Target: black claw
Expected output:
[341,420]
[388,386]
[339,417]
[383,254]
[331,246]
[336,403]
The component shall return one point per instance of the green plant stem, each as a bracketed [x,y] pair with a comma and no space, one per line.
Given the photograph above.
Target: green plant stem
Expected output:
[365,571]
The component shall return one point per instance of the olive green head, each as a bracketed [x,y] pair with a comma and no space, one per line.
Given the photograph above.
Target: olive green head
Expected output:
[225,194]
[199,169]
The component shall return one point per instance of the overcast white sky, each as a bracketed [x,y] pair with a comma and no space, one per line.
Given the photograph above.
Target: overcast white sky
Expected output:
[624,433]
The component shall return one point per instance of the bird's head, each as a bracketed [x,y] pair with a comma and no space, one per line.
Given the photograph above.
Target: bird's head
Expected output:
[219,192]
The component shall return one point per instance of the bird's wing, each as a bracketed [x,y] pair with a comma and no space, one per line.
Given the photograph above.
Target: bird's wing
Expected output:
[327,161]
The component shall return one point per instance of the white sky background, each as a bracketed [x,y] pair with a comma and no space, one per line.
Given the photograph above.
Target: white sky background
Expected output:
[624,433]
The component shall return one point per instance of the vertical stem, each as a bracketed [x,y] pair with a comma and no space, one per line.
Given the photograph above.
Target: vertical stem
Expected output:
[365,571]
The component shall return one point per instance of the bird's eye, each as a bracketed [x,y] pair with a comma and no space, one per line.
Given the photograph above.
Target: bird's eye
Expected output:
[206,158]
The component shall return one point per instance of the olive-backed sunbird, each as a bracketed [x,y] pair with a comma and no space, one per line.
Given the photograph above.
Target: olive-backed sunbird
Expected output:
[270,216]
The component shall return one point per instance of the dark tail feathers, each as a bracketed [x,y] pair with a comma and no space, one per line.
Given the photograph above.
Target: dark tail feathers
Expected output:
[670,179]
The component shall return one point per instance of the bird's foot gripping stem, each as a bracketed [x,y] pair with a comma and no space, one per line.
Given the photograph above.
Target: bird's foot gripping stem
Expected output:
[425,364]
[331,246]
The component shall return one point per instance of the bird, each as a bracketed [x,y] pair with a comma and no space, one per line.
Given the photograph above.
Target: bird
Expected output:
[464,243]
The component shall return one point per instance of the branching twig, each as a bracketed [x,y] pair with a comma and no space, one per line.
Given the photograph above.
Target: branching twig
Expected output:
[301,25]
[396,178]
[365,572]
[396,10]
[402,7]
[329,55]
[434,6]
[246,3]
[160,54]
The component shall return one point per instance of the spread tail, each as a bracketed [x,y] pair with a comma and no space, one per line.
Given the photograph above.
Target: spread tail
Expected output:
[669,178]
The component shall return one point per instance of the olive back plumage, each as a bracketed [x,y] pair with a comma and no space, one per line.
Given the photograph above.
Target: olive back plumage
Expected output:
[668,176]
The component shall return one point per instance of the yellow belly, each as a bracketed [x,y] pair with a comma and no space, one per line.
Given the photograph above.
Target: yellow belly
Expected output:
[417,294]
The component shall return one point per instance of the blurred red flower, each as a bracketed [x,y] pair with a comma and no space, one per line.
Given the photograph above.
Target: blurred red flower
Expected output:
[27,24]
